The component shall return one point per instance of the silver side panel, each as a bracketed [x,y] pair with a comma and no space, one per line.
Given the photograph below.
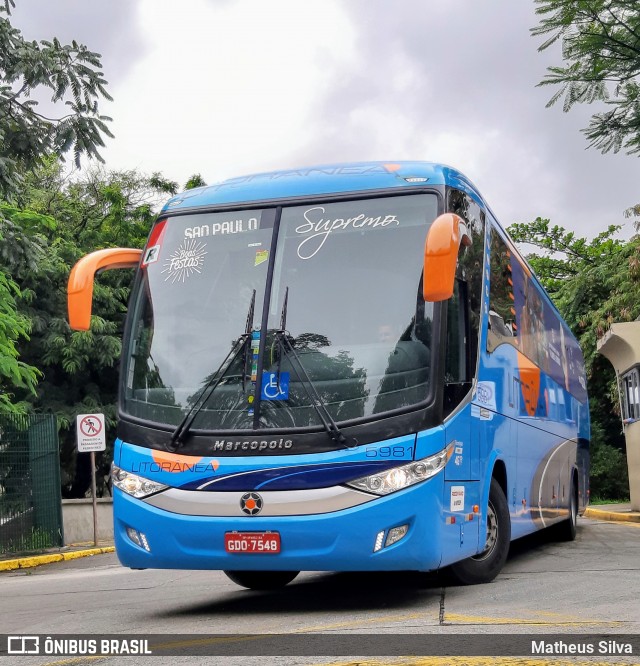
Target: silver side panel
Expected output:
[276,502]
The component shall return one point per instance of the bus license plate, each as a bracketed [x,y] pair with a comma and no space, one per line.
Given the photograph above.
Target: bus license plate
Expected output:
[259,543]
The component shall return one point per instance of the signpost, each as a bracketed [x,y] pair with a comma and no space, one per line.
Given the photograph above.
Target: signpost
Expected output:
[91,438]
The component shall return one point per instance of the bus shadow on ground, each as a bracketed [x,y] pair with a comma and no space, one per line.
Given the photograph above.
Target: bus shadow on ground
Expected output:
[530,546]
[350,591]
[325,591]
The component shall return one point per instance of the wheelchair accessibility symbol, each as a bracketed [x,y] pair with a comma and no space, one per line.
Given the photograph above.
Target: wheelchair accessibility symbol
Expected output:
[274,390]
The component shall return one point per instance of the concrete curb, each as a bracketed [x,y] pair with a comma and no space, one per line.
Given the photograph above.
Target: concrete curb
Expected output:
[614,516]
[37,560]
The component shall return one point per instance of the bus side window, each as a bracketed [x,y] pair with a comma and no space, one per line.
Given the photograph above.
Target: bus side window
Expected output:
[502,319]
[457,378]
[470,265]
[465,306]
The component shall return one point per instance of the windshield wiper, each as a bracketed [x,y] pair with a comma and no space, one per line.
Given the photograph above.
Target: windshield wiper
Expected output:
[247,347]
[242,343]
[316,401]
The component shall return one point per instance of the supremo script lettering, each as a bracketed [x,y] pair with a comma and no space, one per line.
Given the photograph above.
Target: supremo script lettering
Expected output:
[318,228]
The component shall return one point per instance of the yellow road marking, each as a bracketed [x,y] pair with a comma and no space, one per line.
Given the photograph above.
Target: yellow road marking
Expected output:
[456,618]
[561,617]
[372,620]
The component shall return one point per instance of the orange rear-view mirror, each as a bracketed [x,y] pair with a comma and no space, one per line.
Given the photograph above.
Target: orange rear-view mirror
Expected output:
[441,249]
[80,285]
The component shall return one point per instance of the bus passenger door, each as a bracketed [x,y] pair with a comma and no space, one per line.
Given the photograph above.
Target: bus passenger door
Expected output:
[457,387]
[462,487]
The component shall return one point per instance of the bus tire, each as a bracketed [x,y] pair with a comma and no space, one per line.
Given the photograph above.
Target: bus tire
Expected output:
[485,566]
[262,580]
[567,529]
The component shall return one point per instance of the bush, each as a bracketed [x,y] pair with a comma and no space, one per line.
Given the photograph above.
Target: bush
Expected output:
[609,477]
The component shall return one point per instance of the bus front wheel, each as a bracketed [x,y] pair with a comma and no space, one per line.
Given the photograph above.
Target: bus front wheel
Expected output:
[485,566]
[262,580]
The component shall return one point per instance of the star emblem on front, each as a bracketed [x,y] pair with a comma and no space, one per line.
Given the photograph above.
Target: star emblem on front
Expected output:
[251,504]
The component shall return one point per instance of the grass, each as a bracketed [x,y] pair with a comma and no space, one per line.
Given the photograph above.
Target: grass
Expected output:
[595,500]
[37,541]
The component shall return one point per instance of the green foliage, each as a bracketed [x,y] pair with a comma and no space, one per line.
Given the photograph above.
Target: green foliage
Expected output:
[71,75]
[601,52]
[20,246]
[195,181]
[72,218]
[634,211]
[609,475]
[593,283]
[160,184]
[39,539]
[14,374]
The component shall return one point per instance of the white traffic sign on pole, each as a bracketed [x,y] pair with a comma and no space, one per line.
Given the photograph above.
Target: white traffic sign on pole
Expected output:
[90,432]
[91,438]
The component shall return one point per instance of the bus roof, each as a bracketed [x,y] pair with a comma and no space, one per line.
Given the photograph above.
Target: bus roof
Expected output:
[321,180]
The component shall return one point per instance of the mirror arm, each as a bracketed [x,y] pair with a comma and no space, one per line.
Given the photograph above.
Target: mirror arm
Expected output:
[80,285]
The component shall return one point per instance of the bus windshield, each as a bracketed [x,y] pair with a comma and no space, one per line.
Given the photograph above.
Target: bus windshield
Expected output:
[342,282]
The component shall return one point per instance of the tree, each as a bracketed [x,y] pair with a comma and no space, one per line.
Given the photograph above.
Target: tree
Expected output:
[593,283]
[73,217]
[14,374]
[195,181]
[71,73]
[601,50]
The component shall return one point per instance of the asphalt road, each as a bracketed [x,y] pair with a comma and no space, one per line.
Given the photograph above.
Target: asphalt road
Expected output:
[590,586]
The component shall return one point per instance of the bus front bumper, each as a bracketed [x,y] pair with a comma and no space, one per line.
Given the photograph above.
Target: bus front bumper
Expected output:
[343,540]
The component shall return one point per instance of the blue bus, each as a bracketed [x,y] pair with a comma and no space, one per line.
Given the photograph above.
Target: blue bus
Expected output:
[339,368]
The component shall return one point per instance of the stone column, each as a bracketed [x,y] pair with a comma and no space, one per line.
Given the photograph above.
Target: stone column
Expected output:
[621,345]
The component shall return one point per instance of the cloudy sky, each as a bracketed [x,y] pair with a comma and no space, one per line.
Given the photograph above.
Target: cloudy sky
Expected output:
[229,87]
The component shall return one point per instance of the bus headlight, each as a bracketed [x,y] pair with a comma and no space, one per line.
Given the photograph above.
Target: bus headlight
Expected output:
[134,485]
[398,478]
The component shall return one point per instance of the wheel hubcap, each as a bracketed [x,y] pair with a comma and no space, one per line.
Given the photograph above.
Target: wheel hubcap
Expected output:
[492,533]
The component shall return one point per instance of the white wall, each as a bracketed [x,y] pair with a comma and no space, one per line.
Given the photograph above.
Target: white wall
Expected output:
[77,520]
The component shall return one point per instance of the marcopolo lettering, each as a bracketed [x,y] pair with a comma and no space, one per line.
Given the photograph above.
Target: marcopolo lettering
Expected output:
[252,445]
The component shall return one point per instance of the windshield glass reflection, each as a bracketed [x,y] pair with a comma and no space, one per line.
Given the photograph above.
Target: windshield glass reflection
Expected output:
[354,316]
